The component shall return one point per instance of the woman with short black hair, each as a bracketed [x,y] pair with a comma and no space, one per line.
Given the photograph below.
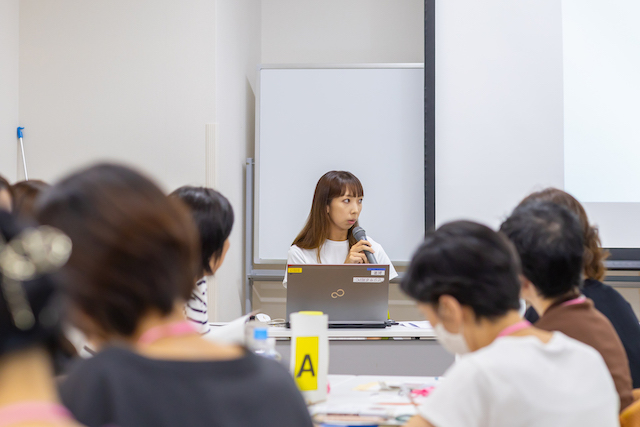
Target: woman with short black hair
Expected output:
[213,216]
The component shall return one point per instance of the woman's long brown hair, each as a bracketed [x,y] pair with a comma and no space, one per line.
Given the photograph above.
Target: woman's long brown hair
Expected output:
[331,185]
[594,255]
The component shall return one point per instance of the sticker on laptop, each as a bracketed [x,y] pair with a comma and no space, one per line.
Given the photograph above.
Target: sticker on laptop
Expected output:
[368,279]
[376,271]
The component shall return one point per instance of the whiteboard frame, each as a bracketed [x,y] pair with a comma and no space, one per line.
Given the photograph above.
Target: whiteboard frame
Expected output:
[256,180]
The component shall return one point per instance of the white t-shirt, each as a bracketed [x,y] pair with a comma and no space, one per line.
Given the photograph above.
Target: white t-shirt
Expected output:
[521,381]
[334,252]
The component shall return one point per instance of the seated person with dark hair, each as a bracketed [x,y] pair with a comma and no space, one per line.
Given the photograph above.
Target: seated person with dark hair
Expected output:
[213,216]
[465,278]
[606,299]
[135,255]
[549,240]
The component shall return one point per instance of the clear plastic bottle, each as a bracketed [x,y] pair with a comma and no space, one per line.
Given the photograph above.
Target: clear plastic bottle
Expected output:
[263,345]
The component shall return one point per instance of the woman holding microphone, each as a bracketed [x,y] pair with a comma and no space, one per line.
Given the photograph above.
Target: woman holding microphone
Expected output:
[328,236]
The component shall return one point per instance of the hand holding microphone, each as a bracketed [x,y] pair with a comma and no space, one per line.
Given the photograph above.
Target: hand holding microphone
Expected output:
[363,245]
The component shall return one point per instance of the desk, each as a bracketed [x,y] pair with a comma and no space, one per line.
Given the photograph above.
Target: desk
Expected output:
[406,351]
[351,394]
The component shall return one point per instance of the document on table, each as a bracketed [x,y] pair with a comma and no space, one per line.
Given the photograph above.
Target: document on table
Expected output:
[373,400]
[416,324]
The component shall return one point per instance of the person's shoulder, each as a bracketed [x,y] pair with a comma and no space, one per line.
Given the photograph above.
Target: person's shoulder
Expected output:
[600,292]
[561,342]
[469,366]
[294,249]
[87,379]
[269,371]
[297,255]
[104,362]
[273,382]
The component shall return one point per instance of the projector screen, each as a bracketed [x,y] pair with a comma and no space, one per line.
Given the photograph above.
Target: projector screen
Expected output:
[601,42]
[534,94]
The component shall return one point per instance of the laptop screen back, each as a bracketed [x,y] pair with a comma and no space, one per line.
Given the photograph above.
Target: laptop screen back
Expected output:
[356,294]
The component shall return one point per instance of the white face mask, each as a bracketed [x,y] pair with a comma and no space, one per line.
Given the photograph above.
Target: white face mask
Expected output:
[453,343]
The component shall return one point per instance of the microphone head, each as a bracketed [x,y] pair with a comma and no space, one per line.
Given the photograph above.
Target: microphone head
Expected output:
[359,233]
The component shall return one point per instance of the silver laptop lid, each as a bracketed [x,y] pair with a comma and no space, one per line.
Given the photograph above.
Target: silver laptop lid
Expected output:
[353,294]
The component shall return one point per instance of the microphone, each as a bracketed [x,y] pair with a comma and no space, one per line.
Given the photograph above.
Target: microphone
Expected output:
[359,234]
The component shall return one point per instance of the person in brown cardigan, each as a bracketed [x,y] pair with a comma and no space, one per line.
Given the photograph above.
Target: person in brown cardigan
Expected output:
[549,240]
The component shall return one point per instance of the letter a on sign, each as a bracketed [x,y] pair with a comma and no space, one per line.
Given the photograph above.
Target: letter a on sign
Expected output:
[306,363]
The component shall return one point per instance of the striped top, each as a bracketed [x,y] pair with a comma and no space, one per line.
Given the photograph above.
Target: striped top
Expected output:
[196,308]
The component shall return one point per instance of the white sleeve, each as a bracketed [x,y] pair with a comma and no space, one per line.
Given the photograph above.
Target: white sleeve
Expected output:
[383,258]
[294,256]
[462,399]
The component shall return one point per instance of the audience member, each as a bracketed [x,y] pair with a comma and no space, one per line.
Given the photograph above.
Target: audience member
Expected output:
[605,298]
[465,278]
[549,240]
[25,194]
[129,276]
[213,216]
[29,325]
[6,195]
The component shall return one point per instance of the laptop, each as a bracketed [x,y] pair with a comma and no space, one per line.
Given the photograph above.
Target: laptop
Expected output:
[352,295]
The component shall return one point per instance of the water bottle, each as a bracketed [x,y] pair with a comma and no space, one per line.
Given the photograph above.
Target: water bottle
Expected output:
[263,345]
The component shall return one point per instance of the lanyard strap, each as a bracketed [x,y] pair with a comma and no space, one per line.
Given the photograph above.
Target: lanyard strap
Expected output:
[574,301]
[23,412]
[176,329]
[523,324]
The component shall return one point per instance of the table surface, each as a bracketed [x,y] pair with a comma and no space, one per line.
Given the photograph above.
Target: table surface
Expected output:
[373,395]
[413,329]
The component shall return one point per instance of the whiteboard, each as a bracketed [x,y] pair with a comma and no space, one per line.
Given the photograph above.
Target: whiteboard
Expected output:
[368,120]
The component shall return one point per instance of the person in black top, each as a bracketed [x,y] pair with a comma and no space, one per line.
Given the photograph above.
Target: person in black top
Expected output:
[135,254]
[606,299]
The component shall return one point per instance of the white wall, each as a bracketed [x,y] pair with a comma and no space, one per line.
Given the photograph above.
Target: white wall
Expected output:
[342,31]
[136,82]
[237,57]
[131,81]
[9,48]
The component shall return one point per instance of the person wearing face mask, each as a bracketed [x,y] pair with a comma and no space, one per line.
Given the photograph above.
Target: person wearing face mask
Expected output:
[327,237]
[466,280]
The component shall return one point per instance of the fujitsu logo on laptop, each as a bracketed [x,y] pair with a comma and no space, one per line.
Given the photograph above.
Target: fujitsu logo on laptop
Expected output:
[337,294]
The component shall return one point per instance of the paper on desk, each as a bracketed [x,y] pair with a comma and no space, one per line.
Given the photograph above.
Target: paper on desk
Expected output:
[351,409]
[231,333]
[416,324]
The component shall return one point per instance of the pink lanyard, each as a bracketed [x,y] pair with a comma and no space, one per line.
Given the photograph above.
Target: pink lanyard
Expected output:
[523,324]
[176,329]
[574,301]
[34,411]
